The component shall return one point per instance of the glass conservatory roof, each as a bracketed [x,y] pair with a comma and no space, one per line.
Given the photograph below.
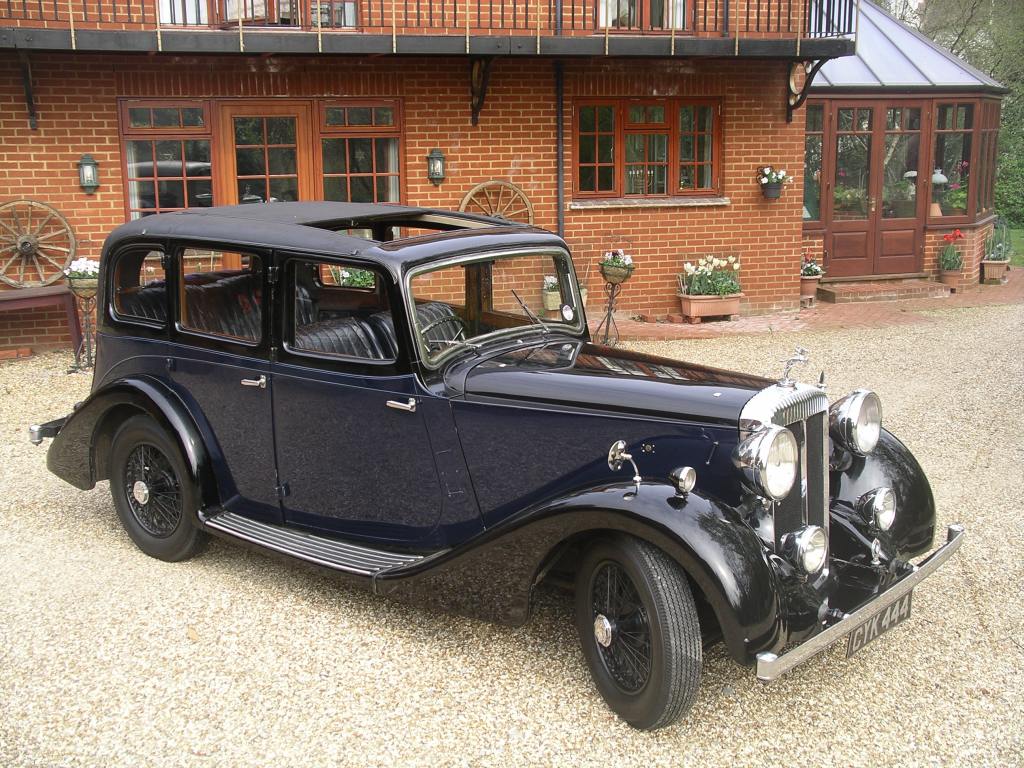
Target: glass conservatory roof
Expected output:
[892,56]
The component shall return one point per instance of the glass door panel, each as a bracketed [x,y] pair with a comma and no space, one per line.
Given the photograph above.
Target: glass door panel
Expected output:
[851,195]
[900,161]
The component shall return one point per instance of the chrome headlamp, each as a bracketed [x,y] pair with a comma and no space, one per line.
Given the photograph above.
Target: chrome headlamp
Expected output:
[855,421]
[768,460]
[806,548]
[878,507]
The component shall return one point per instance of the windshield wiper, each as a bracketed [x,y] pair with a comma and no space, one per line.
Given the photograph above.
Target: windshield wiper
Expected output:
[529,311]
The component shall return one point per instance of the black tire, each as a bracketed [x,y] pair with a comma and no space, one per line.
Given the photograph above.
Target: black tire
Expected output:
[160,517]
[661,618]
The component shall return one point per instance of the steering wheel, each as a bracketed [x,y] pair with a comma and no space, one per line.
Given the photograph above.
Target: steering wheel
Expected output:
[460,333]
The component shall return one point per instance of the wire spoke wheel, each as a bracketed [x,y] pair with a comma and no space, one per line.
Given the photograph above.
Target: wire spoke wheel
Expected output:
[500,199]
[621,627]
[36,244]
[152,490]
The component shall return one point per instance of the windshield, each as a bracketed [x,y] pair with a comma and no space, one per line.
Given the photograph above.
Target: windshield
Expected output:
[460,305]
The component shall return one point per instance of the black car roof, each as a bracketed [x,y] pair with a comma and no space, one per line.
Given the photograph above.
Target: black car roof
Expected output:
[311,227]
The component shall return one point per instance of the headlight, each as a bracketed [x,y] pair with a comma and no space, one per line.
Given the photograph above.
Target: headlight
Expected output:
[807,548]
[768,459]
[855,421]
[879,507]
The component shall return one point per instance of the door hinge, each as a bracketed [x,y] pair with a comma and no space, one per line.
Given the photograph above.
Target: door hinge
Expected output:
[272,273]
[283,490]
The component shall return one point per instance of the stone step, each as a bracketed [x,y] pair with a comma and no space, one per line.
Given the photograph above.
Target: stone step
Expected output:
[881,290]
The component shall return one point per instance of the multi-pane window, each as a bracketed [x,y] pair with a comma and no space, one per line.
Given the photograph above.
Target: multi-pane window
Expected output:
[650,148]
[360,152]
[814,143]
[168,161]
[266,159]
[642,14]
[335,13]
[951,178]
[183,12]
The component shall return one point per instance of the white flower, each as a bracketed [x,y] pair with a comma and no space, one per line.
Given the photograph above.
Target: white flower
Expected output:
[764,179]
[688,268]
[767,169]
[735,267]
[731,259]
[782,174]
[626,258]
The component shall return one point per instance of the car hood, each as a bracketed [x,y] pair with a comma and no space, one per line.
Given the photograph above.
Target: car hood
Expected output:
[579,374]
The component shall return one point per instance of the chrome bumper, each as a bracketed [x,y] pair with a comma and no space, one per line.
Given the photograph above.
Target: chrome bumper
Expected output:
[771,666]
[39,432]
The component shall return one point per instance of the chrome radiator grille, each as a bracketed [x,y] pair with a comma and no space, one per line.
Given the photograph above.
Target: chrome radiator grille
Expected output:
[804,411]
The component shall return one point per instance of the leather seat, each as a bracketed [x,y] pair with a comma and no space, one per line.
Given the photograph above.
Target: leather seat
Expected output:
[384,326]
[229,306]
[342,336]
[149,302]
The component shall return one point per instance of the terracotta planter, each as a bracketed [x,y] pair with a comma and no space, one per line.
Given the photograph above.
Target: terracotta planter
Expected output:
[951,277]
[809,286]
[772,191]
[616,275]
[993,272]
[696,308]
[552,300]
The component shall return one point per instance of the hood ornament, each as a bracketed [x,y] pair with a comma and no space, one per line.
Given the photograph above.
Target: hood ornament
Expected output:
[800,357]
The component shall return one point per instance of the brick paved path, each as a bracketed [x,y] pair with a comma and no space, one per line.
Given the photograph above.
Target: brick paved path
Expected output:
[874,314]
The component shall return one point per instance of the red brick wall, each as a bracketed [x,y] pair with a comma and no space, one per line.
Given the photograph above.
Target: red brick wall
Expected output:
[39,328]
[515,140]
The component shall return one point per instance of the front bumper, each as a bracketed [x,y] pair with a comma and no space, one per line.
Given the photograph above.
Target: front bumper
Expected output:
[771,665]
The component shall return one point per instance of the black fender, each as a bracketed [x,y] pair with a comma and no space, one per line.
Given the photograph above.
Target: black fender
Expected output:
[493,575]
[891,464]
[79,451]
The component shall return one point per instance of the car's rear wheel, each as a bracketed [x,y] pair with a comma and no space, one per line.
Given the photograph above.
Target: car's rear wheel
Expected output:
[148,482]
[638,626]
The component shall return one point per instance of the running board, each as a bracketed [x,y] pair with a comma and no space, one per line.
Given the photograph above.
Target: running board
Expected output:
[331,553]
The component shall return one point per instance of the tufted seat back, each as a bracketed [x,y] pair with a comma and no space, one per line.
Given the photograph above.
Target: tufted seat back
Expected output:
[149,302]
[342,336]
[229,306]
[384,326]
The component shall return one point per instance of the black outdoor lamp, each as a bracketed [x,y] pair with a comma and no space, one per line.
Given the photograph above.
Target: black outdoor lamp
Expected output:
[435,166]
[88,174]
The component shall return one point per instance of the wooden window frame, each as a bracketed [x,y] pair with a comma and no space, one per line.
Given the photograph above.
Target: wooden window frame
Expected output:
[621,106]
[820,133]
[192,133]
[395,131]
[974,132]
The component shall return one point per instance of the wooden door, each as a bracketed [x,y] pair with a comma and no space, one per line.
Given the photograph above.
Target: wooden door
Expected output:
[853,206]
[901,190]
[266,152]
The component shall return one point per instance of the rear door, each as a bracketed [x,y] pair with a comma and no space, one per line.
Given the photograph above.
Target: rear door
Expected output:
[220,357]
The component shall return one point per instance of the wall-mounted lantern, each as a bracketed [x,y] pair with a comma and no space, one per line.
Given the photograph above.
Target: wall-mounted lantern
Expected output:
[435,166]
[88,174]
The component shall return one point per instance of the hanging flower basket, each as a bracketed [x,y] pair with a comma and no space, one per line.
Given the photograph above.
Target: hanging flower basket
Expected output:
[771,181]
[772,191]
[616,267]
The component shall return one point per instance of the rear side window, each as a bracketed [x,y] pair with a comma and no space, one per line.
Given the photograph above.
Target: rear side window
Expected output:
[221,294]
[140,287]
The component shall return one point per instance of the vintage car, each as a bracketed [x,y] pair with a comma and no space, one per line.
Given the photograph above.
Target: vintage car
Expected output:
[377,391]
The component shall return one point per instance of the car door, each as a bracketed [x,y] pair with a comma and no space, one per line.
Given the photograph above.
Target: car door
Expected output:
[351,422]
[220,359]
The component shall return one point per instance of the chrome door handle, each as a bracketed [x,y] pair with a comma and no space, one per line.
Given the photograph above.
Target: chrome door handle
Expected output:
[261,382]
[398,405]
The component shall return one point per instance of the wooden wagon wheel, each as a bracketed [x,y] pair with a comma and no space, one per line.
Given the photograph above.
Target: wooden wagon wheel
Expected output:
[500,199]
[36,244]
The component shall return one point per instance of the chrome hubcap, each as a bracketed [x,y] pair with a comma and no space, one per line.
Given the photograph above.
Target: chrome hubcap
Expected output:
[603,630]
[141,492]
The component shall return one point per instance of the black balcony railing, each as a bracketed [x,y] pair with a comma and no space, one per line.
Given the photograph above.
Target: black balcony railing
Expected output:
[767,19]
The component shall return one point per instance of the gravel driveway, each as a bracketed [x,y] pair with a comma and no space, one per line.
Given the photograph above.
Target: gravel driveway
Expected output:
[109,658]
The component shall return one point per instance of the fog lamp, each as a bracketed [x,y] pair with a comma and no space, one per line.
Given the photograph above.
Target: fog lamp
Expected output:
[879,507]
[806,548]
[683,478]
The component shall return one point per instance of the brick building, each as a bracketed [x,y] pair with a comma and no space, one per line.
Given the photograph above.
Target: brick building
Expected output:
[633,124]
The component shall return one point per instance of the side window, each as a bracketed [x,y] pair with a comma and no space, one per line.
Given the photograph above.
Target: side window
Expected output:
[140,287]
[339,310]
[221,294]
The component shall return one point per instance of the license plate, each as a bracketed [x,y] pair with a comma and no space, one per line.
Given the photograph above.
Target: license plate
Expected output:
[879,624]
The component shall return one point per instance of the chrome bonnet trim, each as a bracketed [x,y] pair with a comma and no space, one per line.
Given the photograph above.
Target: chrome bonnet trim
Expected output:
[771,666]
[781,405]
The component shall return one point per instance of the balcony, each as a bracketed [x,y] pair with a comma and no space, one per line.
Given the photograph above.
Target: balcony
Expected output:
[795,29]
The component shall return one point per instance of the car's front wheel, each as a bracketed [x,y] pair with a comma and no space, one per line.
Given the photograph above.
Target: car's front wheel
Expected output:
[638,626]
[148,484]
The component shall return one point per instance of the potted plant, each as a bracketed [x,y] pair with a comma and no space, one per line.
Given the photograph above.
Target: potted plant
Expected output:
[996,261]
[771,181]
[951,263]
[83,277]
[551,293]
[810,275]
[710,288]
[616,266]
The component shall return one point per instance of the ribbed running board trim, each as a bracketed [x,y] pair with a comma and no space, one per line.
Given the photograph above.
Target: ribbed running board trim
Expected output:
[331,553]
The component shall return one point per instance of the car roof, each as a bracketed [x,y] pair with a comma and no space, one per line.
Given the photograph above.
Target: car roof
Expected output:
[311,227]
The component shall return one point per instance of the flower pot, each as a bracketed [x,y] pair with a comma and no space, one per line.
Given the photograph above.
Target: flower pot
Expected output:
[772,190]
[809,286]
[84,287]
[951,277]
[993,272]
[552,300]
[696,308]
[615,275]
